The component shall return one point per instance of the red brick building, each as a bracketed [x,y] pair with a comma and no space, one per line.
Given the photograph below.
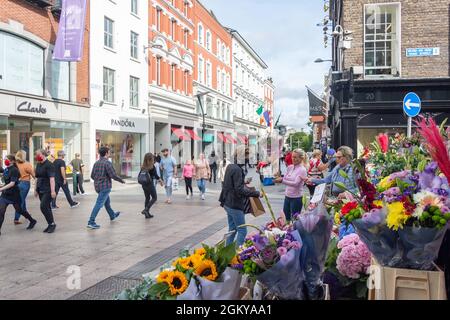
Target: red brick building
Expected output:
[44,102]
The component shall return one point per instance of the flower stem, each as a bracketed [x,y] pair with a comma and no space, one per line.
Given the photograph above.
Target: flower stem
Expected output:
[269,206]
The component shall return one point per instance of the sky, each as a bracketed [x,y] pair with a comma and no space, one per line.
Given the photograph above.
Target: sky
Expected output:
[285,35]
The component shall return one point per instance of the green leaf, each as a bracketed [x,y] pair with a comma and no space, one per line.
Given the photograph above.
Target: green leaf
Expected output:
[442,126]
[340,185]
[343,174]
[158,288]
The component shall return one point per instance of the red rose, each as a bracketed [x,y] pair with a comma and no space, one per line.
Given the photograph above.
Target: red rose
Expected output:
[349,207]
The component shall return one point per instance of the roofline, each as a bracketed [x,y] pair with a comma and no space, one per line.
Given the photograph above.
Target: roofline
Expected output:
[211,13]
[244,42]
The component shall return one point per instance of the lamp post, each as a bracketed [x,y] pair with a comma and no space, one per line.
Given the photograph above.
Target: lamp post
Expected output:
[199,95]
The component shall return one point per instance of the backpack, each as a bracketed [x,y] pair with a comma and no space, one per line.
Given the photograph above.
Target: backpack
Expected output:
[144,177]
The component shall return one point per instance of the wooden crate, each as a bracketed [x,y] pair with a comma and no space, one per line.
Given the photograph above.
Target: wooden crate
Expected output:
[406,284]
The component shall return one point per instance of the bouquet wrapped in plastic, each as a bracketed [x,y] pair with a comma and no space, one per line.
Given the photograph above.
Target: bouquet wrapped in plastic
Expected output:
[381,241]
[285,279]
[314,227]
[271,256]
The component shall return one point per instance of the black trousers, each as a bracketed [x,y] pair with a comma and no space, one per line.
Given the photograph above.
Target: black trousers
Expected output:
[17,207]
[150,195]
[65,188]
[46,208]
[188,182]
[213,172]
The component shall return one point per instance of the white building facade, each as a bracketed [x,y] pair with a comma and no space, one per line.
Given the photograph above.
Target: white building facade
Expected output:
[248,91]
[118,75]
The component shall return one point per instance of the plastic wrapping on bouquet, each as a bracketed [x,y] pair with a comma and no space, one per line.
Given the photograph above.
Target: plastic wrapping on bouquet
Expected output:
[315,229]
[285,278]
[420,246]
[382,242]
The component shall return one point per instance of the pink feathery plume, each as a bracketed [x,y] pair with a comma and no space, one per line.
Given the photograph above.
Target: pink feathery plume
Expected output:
[435,144]
[383,141]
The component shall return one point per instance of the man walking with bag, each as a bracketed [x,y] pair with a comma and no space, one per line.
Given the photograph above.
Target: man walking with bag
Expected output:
[102,173]
[77,168]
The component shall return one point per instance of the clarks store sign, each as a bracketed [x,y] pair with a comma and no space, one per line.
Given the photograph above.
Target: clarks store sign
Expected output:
[26,106]
[36,108]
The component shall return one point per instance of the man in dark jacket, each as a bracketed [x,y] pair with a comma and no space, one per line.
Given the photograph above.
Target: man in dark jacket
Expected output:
[233,195]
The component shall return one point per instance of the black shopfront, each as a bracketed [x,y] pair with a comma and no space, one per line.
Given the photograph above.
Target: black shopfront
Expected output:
[361,109]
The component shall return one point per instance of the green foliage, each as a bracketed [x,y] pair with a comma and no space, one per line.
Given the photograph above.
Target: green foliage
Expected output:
[221,255]
[301,140]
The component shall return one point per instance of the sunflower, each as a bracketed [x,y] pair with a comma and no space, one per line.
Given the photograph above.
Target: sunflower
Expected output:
[235,260]
[190,262]
[200,252]
[163,276]
[178,261]
[177,283]
[207,269]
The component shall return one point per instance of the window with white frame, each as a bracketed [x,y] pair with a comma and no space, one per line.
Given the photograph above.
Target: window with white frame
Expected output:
[208,40]
[134,92]
[218,46]
[201,75]
[218,80]
[381,39]
[158,70]
[108,39]
[186,38]
[186,82]
[186,8]
[108,85]
[134,7]
[224,113]
[134,37]
[208,74]
[222,82]
[200,34]
[22,65]
[228,56]
[228,85]
[173,28]
[173,76]
[237,73]
[222,52]
[158,18]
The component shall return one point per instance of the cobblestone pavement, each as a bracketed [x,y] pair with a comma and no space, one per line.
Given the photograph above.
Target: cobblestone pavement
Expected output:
[33,265]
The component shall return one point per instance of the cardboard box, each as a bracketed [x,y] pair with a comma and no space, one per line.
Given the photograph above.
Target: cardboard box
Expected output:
[406,284]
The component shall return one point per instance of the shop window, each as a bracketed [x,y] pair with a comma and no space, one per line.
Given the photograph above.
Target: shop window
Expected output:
[21,65]
[108,85]
[381,40]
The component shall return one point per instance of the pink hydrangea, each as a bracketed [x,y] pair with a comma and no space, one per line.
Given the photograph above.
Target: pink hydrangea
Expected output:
[281,251]
[354,258]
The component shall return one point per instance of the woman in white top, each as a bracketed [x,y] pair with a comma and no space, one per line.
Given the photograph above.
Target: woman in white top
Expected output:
[222,168]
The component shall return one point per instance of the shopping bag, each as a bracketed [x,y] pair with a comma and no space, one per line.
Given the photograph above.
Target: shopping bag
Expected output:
[175,184]
[257,207]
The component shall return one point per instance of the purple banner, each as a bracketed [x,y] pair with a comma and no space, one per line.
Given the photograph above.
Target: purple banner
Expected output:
[69,43]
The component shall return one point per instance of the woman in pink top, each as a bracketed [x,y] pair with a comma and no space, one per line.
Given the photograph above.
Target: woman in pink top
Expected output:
[188,173]
[294,180]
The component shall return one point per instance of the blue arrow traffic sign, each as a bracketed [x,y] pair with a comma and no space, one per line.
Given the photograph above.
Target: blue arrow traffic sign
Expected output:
[412,104]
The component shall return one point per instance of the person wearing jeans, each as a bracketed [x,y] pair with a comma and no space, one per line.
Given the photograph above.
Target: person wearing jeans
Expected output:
[234,194]
[102,173]
[26,172]
[169,167]
[202,173]
[77,166]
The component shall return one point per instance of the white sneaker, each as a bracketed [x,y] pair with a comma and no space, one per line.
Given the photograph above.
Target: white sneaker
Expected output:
[203,196]
[188,197]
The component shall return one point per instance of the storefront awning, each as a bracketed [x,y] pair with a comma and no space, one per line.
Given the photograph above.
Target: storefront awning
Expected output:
[243,139]
[181,134]
[193,135]
[230,138]
[226,138]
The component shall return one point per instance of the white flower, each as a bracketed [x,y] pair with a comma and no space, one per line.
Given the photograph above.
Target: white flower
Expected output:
[419,197]
[418,212]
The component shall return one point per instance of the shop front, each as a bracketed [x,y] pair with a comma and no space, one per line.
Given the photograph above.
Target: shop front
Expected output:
[126,138]
[30,124]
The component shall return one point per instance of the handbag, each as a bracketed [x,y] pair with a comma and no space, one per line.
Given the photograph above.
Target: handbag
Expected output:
[175,184]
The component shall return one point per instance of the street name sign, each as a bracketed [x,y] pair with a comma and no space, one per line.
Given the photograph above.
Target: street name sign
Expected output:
[422,52]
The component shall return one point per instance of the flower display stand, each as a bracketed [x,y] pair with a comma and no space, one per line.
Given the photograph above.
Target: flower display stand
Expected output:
[406,284]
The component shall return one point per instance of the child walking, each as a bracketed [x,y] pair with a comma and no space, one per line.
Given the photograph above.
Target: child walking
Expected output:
[188,173]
